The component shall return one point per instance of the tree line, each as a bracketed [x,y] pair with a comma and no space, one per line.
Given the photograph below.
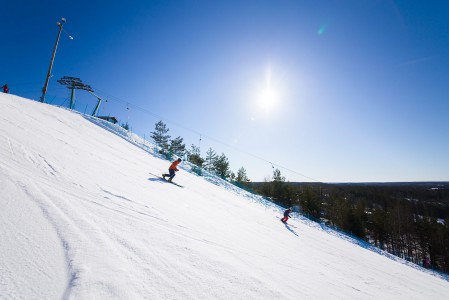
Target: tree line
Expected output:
[410,221]
[212,162]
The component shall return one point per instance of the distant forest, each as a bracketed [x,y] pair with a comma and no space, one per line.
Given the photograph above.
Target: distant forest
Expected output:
[409,220]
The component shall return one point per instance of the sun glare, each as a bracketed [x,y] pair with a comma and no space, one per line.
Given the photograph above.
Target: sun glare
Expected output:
[268,96]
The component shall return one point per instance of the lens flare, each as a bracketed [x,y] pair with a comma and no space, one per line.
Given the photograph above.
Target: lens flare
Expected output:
[321,30]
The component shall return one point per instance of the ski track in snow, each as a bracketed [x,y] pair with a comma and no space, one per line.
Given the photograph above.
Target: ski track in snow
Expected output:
[50,211]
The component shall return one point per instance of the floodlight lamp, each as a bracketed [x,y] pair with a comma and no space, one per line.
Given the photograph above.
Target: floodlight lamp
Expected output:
[63,20]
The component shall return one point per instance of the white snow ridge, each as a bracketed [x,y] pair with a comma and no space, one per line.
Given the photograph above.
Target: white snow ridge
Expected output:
[84,215]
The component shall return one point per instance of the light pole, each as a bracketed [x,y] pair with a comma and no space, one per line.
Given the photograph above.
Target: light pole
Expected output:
[44,89]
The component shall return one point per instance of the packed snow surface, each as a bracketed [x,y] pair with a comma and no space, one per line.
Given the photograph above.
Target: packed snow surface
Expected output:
[85,215]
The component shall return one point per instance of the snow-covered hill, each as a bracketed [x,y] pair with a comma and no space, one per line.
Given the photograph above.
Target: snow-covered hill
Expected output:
[84,216]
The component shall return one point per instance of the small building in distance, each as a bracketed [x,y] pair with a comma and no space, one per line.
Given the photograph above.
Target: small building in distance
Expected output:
[113,120]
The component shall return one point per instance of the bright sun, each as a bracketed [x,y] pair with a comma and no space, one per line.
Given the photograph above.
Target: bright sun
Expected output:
[268,96]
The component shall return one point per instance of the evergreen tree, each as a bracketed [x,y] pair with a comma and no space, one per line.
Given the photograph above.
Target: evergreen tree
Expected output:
[337,211]
[177,147]
[221,166]
[241,177]
[381,228]
[125,126]
[194,156]
[310,202]
[211,157]
[265,187]
[356,220]
[277,176]
[279,189]
[160,137]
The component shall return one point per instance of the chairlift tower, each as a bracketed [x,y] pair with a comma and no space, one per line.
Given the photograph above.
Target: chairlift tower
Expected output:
[74,83]
[97,107]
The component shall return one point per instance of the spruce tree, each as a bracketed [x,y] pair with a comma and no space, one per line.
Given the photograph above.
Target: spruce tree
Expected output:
[160,137]
[310,202]
[265,187]
[125,126]
[194,156]
[211,157]
[279,188]
[221,166]
[177,147]
[241,177]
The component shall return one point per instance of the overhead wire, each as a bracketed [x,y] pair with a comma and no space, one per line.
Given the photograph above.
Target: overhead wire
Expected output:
[136,107]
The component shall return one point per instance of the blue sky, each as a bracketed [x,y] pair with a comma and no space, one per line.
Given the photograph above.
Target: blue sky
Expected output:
[333,91]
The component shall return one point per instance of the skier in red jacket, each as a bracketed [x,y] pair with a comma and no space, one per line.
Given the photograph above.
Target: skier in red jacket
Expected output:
[5,89]
[286,215]
[173,168]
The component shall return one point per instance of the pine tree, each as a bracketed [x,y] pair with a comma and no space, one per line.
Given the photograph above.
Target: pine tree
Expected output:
[194,156]
[242,178]
[221,166]
[277,176]
[125,126]
[279,189]
[310,202]
[356,220]
[160,137]
[337,211]
[265,187]
[381,228]
[177,147]
[211,157]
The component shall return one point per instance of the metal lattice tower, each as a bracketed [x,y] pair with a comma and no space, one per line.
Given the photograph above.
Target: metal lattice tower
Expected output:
[74,83]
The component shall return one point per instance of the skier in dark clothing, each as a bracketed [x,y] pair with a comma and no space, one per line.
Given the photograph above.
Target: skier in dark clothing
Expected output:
[5,89]
[426,262]
[173,168]
[286,215]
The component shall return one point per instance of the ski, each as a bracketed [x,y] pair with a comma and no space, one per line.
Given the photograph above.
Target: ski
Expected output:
[174,183]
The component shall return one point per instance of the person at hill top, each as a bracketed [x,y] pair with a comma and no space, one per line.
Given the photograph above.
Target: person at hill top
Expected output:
[172,169]
[286,215]
[5,89]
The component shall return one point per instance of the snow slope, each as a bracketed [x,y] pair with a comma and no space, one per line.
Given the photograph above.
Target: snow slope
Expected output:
[85,216]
